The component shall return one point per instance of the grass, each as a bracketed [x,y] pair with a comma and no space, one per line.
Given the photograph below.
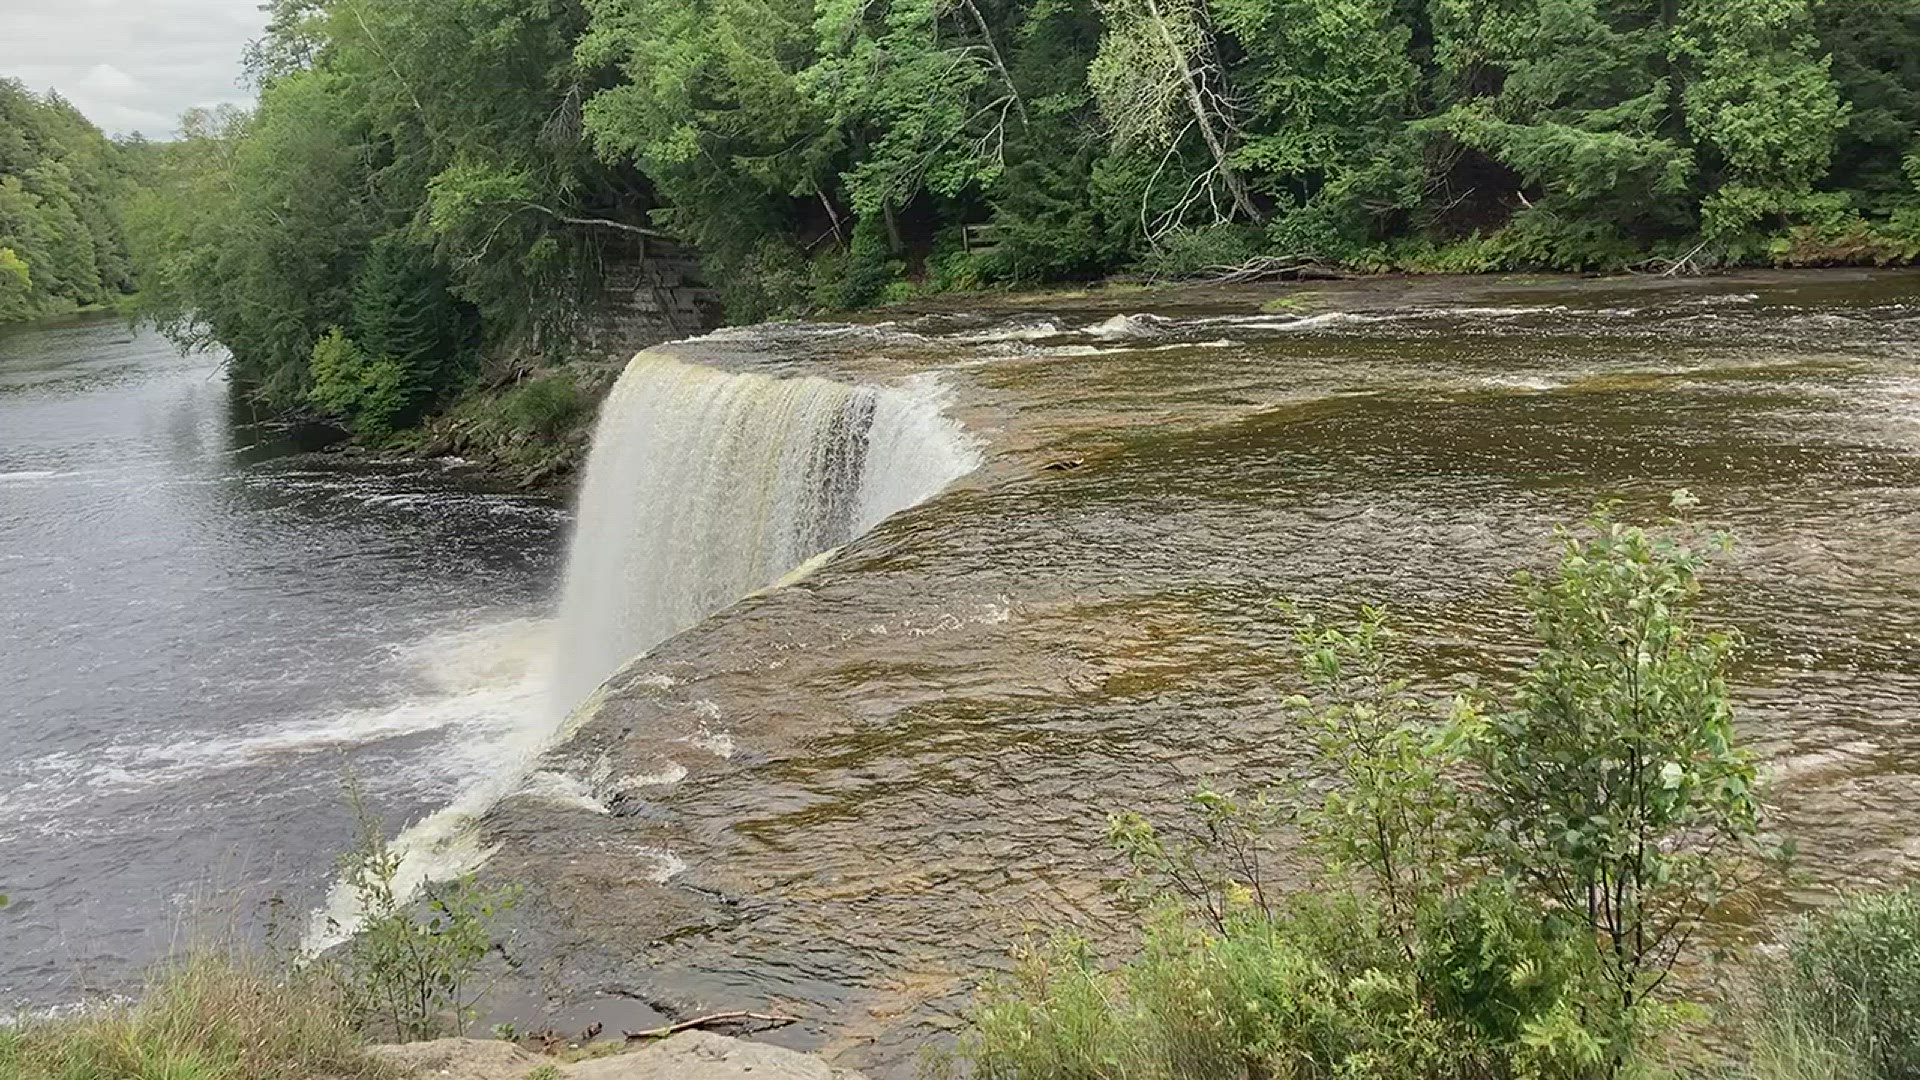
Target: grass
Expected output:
[1296,303]
[1845,1001]
[210,1016]
[1791,1046]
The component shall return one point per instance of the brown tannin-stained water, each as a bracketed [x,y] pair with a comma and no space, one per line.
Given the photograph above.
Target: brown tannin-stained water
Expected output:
[853,795]
[850,796]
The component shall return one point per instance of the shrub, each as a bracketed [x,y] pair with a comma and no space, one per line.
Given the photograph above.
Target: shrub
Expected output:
[16,286]
[1392,815]
[212,1016]
[1320,989]
[1185,253]
[771,279]
[1614,784]
[863,275]
[1504,886]
[545,407]
[410,969]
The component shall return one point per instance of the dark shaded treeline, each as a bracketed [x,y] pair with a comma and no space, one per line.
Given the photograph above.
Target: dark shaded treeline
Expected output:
[427,183]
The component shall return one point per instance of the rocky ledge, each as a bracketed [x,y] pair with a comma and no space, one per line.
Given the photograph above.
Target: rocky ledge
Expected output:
[690,1055]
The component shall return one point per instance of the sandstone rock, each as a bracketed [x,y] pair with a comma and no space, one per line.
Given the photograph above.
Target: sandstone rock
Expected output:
[702,1055]
[690,1055]
[460,1059]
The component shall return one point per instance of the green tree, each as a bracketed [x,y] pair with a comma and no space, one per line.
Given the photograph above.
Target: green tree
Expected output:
[714,108]
[257,227]
[1875,45]
[924,86]
[1762,102]
[62,185]
[1616,786]
[1330,87]
[1162,87]
[16,286]
[1046,206]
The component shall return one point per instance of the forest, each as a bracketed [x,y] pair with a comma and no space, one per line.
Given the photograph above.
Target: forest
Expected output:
[62,188]
[425,183]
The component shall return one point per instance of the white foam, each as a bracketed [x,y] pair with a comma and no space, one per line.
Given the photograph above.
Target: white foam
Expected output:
[1030,331]
[559,789]
[1530,383]
[478,682]
[717,743]
[1122,327]
[665,865]
[440,847]
[702,487]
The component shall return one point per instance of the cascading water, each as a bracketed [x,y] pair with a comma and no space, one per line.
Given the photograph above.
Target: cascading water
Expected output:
[703,486]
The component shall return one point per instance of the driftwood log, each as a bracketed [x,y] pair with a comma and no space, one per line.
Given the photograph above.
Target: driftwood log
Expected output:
[711,1020]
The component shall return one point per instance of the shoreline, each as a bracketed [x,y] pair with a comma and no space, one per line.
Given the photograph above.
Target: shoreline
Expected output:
[551,465]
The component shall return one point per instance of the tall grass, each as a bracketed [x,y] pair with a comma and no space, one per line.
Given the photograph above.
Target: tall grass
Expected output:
[210,1016]
[1845,1003]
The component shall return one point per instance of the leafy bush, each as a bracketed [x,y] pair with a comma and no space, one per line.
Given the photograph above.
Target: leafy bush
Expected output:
[1615,784]
[1188,252]
[545,407]
[16,286]
[864,274]
[771,279]
[410,969]
[368,392]
[213,1016]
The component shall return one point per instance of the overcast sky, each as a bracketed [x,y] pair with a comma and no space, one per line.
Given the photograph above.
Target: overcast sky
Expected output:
[130,65]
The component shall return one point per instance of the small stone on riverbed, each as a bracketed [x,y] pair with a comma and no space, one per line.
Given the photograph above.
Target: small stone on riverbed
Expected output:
[690,1055]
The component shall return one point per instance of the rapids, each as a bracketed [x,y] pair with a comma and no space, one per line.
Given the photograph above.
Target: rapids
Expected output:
[854,795]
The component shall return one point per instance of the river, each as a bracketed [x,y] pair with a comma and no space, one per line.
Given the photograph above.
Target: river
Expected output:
[203,632]
[849,796]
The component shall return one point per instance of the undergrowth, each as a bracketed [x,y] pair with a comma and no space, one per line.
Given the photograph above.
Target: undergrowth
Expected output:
[212,1015]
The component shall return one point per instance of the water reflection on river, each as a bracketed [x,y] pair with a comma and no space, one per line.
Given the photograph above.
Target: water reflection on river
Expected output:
[851,794]
[200,629]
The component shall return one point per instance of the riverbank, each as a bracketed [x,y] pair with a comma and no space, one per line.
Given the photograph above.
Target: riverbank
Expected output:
[218,1016]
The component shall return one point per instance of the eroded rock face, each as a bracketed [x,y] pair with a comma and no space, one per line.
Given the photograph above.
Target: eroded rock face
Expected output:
[690,1055]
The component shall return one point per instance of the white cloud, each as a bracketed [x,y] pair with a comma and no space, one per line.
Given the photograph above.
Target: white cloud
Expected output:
[131,65]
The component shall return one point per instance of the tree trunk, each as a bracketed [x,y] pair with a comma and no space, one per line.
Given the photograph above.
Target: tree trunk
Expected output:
[1203,117]
[999,65]
[895,245]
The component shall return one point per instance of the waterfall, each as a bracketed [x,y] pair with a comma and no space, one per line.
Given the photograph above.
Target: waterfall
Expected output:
[706,485]
[702,486]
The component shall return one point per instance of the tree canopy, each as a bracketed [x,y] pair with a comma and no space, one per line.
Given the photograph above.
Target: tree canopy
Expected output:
[474,165]
[61,186]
